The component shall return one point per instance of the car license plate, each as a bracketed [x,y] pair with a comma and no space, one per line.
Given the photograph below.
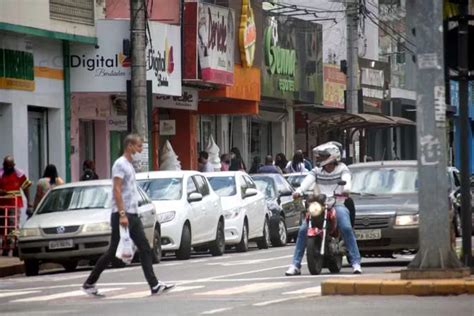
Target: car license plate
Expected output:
[368,234]
[61,244]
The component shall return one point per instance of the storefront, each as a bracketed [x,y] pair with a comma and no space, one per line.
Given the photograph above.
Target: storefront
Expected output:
[32,103]
[99,84]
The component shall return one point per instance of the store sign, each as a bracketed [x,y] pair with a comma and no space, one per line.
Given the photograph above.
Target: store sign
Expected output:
[16,70]
[247,34]
[187,101]
[334,86]
[103,68]
[374,82]
[117,123]
[163,58]
[279,60]
[167,127]
[216,36]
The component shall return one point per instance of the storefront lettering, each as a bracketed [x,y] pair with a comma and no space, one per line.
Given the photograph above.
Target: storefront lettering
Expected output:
[217,32]
[286,85]
[279,60]
[186,97]
[92,64]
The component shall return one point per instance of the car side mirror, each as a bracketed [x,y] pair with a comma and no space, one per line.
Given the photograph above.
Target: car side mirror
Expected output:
[195,197]
[250,192]
[342,183]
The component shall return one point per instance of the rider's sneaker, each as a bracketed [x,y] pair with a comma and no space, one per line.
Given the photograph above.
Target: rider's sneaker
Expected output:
[292,270]
[357,269]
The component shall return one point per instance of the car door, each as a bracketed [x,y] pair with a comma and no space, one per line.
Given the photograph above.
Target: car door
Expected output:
[291,208]
[255,208]
[210,204]
[146,213]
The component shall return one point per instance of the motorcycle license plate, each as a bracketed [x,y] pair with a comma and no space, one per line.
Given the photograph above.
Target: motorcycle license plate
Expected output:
[61,244]
[368,234]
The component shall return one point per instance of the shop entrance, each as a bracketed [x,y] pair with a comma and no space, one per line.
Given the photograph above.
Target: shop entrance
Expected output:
[37,145]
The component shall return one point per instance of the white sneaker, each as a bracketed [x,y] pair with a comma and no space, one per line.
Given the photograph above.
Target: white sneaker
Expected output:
[357,269]
[292,270]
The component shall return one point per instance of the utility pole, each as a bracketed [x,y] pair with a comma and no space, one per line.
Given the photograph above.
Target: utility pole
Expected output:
[138,80]
[463,68]
[435,257]
[352,17]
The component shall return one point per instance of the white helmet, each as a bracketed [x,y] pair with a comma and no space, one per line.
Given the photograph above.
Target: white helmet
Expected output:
[327,153]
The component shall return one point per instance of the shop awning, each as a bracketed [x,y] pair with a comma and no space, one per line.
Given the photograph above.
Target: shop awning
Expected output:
[343,120]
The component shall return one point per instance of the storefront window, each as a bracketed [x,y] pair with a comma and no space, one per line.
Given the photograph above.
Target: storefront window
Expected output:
[260,139]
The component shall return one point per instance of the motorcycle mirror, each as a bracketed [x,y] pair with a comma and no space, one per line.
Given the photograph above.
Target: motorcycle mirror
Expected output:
[342,182]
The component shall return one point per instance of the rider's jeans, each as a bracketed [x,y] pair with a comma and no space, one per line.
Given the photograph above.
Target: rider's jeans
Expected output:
[344,225]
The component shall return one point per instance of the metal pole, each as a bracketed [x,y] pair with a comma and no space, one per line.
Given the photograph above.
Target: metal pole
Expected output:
[352,9]
[435,252]
[463,67]
[138,80]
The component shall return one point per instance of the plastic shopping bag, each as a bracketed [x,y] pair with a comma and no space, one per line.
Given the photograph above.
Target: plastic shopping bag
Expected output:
[126,248]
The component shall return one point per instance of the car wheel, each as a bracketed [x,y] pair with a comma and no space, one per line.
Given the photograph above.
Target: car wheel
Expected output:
[457,224]
[243,245]
[184,251]
[157,246]
[280,240]
[70,266]
[31,267]
[264,241]
[218,247]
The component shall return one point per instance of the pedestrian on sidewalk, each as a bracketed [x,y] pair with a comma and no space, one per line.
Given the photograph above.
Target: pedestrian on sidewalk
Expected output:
[225,162]
[204,165]
[88,169]
[297,163]
[281,162]
[236,161]
[269,167]
[124,213]
[49,180]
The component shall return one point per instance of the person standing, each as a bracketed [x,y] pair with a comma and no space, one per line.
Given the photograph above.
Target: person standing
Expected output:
[124,213]
[281,162]
[49,180]
[88,169]
[296,164]
[236,161]
[225,162]
[204,165]
[269,167]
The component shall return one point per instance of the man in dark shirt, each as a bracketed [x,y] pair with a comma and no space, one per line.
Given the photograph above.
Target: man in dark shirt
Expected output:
[269,167]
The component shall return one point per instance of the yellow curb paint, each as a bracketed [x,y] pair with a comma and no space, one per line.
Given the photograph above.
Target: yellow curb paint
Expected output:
[449,287]
[345,287]
[469,286]
[368,287]
[420,288]
[394,287]
[328,288]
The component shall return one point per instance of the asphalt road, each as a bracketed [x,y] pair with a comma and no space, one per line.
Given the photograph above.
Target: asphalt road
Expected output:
[251,283]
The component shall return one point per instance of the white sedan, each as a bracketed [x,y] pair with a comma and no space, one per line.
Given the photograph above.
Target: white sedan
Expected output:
[189,211]
[245,210]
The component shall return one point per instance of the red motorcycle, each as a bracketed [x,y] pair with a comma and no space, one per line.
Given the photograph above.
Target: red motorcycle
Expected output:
[323,246]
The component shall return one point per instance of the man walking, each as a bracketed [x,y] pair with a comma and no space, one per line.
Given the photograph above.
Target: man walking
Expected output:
[124,212]
[269,167]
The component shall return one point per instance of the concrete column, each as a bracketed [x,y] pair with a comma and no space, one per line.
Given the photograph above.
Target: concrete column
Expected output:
[289,136]
[19,134]
[278,138]
[6,129]
[223,133]
[56,141]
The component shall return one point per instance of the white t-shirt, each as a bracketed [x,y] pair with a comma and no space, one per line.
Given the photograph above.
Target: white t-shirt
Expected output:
[124,170]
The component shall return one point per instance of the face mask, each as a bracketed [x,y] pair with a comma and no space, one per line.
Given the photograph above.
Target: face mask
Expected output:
[136,157]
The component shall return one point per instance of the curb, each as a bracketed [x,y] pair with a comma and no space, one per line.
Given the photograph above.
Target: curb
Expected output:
[397,287]
[12,270]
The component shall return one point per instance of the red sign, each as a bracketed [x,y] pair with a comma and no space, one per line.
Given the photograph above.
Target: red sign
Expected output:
[334,86]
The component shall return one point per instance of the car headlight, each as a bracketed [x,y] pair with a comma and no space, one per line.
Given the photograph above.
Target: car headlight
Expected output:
[232,213]
[166,217]
[407,220]
[29,232]
[96,227]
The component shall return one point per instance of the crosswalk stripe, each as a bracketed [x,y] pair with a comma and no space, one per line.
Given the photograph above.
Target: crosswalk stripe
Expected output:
[249,288]
[141,294]
[60,295]
[309,290]
[16,293]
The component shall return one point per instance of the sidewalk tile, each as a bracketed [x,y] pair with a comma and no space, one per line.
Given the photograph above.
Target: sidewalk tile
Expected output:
[368,287]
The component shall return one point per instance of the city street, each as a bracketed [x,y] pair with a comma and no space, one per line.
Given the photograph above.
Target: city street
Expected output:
[250,283]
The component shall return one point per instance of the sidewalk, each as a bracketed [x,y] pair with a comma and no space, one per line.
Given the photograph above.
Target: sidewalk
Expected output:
[10,266]
[391,284]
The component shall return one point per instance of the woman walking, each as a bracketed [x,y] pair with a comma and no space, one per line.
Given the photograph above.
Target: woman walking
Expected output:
[49,180]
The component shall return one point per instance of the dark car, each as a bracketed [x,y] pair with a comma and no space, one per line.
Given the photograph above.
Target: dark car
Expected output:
[285,212]
[386,199]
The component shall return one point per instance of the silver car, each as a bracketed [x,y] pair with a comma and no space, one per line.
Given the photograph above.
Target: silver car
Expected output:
[72,223]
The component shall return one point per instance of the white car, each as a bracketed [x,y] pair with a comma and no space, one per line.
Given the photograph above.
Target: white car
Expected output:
[72,223]
[246,216]
[189,211]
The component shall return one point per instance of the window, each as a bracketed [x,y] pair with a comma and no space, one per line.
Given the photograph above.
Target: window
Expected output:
[266,185]
[202,185]
[191,186]
[250,183]
[164,189]
[223,186]
[283,186]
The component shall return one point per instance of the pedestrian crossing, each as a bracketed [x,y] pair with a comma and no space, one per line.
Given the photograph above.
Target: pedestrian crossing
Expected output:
[138,291]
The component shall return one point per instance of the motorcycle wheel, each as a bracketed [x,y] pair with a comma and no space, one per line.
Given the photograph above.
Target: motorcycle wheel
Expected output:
[313,256]
[334,263]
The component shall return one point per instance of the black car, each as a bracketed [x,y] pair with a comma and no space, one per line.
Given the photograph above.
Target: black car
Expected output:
[285,212]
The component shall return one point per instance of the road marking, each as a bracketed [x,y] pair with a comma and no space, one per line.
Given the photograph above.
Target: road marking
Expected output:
[247,262]
[309,290]
[16,293]
[60,295]
[141,294]
[215,311]
[249,288]
[282,300]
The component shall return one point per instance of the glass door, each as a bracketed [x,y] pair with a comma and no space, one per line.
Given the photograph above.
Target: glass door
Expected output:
[37,146]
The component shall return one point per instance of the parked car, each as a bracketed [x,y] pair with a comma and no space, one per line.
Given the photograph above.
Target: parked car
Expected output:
[455,190]
[188,209]
[72,222]
[246,216]
[285,212]
[386,199]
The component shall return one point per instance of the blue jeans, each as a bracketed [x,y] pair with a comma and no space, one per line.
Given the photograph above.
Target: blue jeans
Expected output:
[344,225]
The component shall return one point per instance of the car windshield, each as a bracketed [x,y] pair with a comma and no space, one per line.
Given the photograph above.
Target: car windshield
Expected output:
[265,185]
[77,198]
[163,189]
[385,180]
[224,186]
[296,180]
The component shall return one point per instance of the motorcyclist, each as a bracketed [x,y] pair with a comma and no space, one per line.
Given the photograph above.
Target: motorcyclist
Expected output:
[328,172]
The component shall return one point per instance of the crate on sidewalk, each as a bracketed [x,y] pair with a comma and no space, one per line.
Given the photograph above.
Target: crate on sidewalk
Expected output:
[9,225]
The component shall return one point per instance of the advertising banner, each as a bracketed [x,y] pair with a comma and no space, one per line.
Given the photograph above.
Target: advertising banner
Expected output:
[187,101]
[334,86]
